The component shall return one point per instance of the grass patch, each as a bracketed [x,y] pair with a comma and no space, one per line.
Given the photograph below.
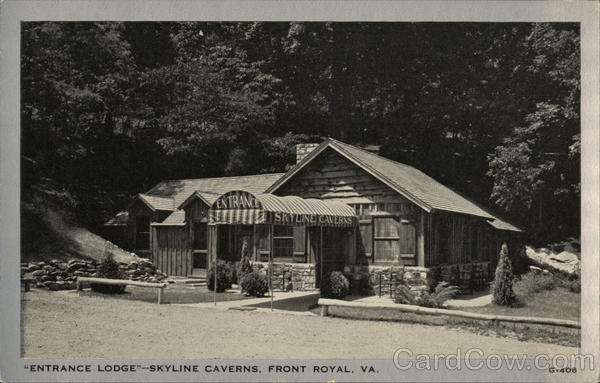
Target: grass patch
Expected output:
[539,295]
[524,332]
[172,294]
[559,303]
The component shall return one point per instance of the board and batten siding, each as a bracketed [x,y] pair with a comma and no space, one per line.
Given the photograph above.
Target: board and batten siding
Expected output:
[468,239]
[172,250]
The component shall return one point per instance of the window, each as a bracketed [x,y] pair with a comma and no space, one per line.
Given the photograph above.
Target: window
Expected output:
[200,233]
[142,232]
[283,243]
[394,238]
[365,241]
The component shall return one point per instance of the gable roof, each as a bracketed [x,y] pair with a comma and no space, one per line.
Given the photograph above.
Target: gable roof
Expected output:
[157,202]
[209,189]
[176,218]
[408,181]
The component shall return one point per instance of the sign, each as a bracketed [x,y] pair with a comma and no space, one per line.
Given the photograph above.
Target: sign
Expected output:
[237,200]
[280,218]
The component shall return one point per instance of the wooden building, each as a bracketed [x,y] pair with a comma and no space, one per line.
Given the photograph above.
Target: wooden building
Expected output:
[401,218]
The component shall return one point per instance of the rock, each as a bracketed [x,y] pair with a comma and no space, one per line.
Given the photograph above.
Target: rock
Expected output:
[549,261]
[32,267]
[62,266]
[38,273]
[41,264]
[564,257]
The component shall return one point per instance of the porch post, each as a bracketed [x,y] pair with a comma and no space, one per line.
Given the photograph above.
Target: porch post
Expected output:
[321,259]
[421,240]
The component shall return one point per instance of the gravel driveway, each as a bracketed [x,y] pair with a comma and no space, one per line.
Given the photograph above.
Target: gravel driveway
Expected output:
[65,325]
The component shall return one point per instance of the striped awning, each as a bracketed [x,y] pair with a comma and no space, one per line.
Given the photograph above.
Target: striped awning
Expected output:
[243,208]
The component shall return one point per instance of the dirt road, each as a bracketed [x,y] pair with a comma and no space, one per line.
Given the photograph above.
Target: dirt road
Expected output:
[65,325]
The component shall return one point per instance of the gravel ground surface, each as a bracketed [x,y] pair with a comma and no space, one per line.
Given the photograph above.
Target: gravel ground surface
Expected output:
[65,325]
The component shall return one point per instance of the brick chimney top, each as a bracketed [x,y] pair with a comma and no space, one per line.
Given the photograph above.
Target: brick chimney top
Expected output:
[302,150]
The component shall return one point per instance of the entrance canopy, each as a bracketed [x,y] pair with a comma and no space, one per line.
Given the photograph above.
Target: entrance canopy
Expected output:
[243,208]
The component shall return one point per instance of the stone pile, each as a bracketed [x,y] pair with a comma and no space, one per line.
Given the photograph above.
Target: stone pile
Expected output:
[61,275]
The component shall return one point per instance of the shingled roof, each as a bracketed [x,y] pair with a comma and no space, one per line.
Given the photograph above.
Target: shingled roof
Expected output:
[211,188]
[408,181]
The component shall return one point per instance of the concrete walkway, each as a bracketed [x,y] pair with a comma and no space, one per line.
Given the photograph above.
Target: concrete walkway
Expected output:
[296,303]
[475,300]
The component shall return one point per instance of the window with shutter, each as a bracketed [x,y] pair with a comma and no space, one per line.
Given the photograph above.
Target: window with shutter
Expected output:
[394,238]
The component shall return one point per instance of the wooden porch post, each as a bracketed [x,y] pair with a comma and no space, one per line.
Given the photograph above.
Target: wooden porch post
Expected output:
[321,261]
[421,240]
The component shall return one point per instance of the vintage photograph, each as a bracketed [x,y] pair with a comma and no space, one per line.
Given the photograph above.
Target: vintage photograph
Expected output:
[299,190]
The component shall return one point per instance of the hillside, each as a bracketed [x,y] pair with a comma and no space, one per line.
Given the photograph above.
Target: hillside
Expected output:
[48,232]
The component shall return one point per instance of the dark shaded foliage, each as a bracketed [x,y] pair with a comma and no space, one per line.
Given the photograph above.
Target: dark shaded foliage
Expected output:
[491,109]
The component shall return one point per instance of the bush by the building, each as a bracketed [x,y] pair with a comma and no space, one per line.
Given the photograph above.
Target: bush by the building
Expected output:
[244,268]
[223,275]
[108,268]
[255,284]
[335,285]
[502,287]
[442,292]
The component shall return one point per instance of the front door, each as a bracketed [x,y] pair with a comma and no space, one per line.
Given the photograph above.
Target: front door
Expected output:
[199,258]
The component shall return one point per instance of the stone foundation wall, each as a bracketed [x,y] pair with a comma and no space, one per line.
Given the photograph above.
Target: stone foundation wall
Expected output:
[302,276]
[299,276]
[471,276]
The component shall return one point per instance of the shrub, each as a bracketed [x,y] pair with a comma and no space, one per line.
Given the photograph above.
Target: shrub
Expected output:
[534,282]
[575,286]
[108,268]
[502,288]
[244,268]
[335,285]
[442,292]
[223,277]
[404,295]
[255,284]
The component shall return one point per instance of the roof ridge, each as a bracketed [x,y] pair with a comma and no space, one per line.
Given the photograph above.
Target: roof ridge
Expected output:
[377,155]
[222,177]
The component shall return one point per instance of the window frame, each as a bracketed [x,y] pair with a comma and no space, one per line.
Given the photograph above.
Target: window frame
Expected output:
[402,220]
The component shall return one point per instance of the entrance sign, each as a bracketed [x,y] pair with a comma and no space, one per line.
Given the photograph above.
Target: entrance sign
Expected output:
[244,208]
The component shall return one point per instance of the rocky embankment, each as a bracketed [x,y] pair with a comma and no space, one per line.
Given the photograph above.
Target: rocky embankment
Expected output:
[561,257]
[60,275]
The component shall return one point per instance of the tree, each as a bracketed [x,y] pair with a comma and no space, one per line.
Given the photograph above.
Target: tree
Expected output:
[536,169]
[502,289]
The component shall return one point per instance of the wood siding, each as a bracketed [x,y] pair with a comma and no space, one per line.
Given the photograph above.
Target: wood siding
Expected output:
[141,209]
[333,177]
[172,250]
[196,210]
[469,239]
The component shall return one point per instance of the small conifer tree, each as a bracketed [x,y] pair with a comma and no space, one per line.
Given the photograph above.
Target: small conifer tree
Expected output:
[502,289]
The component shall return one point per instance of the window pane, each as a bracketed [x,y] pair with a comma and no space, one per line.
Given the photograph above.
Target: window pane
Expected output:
[386,251]
[365,240]
[388,227]
[283,231]
[199,236]
[408,238]
[283,248]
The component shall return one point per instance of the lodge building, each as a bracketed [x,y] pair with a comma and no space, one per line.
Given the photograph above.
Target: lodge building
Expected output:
[340,207]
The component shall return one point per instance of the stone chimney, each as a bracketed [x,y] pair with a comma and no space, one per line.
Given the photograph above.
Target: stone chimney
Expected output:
[302,150]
